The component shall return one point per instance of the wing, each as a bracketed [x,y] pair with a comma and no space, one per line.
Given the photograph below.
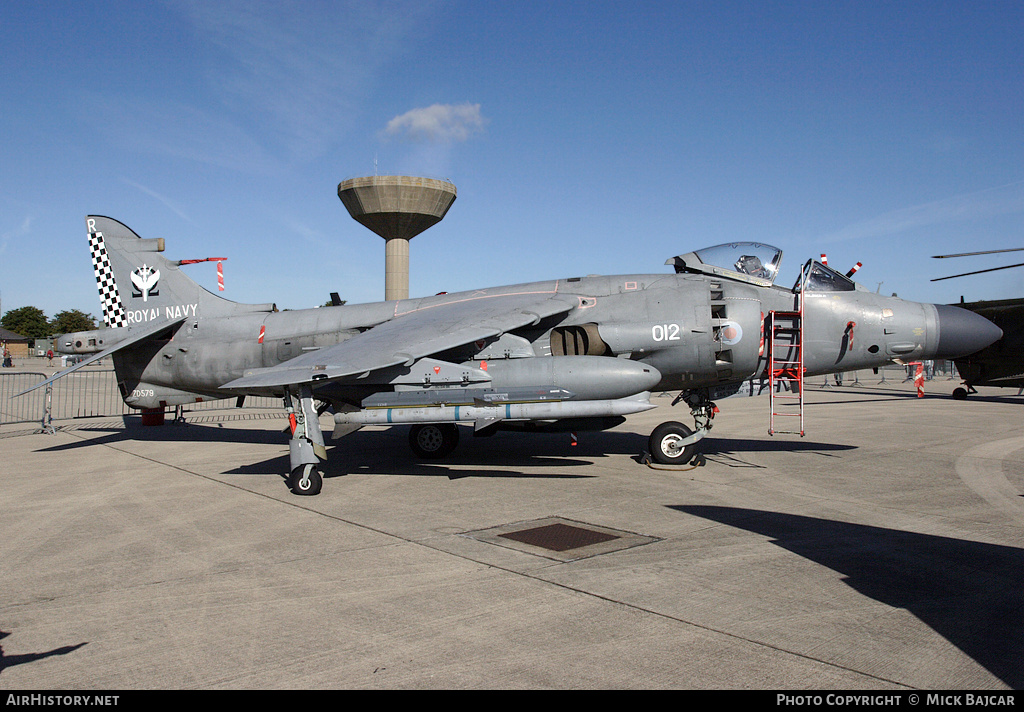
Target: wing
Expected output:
[409,337]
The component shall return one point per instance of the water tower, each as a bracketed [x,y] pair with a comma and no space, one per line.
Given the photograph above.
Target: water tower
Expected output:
[398,208]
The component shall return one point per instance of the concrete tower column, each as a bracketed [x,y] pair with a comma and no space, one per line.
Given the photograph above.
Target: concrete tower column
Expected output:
[396,269]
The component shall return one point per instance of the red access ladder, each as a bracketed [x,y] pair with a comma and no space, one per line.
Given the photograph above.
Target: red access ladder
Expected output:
[786,366]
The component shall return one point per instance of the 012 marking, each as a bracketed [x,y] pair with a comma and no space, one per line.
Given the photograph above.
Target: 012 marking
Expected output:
[665,332]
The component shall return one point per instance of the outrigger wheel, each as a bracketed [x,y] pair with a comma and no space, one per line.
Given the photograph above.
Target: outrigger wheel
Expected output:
[432,441]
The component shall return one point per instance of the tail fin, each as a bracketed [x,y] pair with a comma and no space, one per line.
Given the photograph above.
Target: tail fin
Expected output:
[138,285]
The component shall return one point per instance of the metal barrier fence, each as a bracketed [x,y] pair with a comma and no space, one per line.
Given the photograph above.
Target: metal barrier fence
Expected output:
[83,394]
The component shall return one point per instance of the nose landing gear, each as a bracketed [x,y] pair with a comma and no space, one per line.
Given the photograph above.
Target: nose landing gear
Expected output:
[673,443]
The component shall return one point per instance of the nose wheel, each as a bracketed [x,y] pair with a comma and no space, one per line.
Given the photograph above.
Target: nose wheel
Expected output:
[672,443]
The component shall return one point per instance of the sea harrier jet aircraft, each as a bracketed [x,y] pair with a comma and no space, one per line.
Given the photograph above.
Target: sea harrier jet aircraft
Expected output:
[572,353]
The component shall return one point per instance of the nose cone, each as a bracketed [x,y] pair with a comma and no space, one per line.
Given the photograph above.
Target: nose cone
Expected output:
[962,332]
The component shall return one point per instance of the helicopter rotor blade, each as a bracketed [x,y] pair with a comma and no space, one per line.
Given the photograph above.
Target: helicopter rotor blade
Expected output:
[980,271]
[985,252]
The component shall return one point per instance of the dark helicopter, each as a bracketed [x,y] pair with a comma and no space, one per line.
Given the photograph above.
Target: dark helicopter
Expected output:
[1000,364]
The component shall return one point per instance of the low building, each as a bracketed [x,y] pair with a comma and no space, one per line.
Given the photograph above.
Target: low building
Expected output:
[15,343]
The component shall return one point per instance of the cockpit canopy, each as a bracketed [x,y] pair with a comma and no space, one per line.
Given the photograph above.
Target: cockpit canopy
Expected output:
[818,278]
[753,262]
[758,263]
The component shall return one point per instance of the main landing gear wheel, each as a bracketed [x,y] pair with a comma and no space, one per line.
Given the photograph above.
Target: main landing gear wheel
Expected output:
[960,394]
[665,444]
[432,441]
[305,480]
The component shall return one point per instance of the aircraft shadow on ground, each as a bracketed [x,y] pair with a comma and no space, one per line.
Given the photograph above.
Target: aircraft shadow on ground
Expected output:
[386,452]
[968,592]
[523,454]
[1007,397]
[526,455]
[728,451]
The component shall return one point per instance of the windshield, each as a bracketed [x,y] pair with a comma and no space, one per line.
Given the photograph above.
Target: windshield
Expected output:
[754,259]
[822,279]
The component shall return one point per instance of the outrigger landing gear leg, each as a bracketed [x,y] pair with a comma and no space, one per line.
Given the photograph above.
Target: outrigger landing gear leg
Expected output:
[673,443]
[306,447]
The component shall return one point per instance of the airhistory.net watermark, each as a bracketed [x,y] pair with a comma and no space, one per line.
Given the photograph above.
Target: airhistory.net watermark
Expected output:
[54,700]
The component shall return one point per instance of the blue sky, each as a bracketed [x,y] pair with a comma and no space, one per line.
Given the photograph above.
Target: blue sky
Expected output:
[583,137]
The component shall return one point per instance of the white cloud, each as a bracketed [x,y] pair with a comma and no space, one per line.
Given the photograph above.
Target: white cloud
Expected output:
[440,123]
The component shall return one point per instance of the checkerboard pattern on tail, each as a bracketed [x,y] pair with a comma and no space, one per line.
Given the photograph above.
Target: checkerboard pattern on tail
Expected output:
[113,311]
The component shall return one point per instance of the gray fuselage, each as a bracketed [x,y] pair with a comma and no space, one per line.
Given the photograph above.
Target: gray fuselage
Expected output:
[696,330]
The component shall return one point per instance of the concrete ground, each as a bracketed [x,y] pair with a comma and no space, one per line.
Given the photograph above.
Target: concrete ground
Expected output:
[884,550]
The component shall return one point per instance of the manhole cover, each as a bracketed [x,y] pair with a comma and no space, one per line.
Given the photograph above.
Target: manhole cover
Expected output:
[561,539]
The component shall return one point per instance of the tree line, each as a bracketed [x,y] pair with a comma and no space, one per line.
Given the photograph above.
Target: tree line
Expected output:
[31,322]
